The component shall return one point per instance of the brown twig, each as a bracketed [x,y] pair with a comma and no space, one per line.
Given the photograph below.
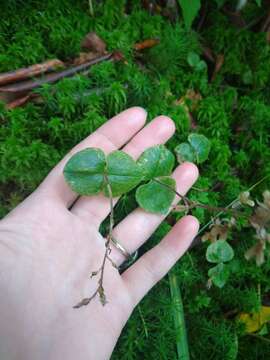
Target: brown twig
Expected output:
[51,78]
[218,66]
[26,73]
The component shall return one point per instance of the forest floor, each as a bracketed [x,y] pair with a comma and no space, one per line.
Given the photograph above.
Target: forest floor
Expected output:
[212,79]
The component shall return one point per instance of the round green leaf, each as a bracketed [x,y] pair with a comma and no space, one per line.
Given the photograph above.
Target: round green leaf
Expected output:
[184,152]
[201,65]
[200,145]
[193,59]
[123,173]
[84,172]
[155,197]
[156,161]
[219,251]
[219,274]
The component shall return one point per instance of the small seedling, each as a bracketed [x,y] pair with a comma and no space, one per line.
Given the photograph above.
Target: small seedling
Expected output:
[195,62]
[196,150]
[219,252]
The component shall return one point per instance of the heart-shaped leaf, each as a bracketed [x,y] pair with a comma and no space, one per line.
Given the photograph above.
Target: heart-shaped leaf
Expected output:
[219,274]
[220,251]
[184,152]
[123,173]
[155,197]
[200,145]
[84,172]
[156,161]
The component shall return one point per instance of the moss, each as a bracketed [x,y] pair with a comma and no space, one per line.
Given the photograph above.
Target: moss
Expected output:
[234,114]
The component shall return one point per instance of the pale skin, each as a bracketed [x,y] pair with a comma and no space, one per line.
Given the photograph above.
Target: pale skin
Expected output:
[50,244]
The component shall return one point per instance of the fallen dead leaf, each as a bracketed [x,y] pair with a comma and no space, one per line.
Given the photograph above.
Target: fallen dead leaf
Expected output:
[254,321]
[190,96]
[93,42]
[84,57]
[146,44]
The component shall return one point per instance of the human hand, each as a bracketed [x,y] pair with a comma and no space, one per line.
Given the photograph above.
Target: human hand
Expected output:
[50,244]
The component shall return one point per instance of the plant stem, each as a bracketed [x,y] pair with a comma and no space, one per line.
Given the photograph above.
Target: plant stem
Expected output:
[231,204]
[143,321]
[111,208]
[199,189]
[91,9]
[182,197]
[193,204]
[179,320]
[100,289]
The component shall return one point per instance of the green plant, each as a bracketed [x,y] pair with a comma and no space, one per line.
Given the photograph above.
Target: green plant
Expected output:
[182,344]
[219,252]
[190,10]
[196,150]
[90,172]
[195,62]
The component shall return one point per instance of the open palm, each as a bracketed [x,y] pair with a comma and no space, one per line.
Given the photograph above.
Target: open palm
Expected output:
[51,242]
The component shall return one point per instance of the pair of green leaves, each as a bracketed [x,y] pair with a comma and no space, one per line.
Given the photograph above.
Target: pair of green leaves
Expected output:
[219,252]
[196,150]
[195,62]
[89,171]
[86,172]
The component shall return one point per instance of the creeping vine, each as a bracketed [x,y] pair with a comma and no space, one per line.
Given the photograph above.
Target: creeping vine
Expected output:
[90,172]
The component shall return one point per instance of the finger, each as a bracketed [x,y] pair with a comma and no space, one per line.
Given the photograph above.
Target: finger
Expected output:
[139,225]
[110,136]
[155,264]
[156,132]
